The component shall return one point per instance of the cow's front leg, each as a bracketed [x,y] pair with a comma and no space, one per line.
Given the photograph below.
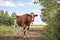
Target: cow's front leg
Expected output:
[28,31]
[25,32]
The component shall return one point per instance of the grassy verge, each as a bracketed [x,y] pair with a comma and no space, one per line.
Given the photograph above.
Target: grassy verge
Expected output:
[5,29]
[37,26]
[9,29]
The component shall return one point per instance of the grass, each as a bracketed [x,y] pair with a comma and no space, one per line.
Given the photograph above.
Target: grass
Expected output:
[9,29]
[37,26]
[5,29]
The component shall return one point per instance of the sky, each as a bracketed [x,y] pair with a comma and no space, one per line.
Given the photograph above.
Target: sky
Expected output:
[21,7]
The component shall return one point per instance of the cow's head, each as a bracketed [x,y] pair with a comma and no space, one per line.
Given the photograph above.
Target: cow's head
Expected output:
[33,16]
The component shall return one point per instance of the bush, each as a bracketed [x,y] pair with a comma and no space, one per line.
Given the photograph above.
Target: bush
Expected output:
[52,30]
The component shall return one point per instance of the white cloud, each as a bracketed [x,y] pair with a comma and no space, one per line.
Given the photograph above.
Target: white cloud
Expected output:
[10,4]
[20,4]
[31,3]
[6,3]
[13,4]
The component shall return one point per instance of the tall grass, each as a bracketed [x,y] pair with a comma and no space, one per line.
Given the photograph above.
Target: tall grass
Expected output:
[5,29]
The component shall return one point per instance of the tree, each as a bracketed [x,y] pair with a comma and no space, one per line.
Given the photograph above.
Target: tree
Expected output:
[6,13]
[50,13]
[48,6]
[13,16]
[1,17]
[5,18]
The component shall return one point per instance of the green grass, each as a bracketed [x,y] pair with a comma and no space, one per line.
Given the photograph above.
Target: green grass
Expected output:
[37,26]
[6,29]
[9,29]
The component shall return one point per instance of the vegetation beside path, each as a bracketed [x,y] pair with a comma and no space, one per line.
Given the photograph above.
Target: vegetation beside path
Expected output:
[9,29]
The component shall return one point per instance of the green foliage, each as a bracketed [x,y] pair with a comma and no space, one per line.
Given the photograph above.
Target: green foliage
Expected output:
[6,29]
[48,6]
[51,15]
[13,14]
[52,31]
[5,18]
[37,26]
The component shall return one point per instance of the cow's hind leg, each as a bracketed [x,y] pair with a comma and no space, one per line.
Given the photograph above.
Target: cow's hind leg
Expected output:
[14,29]
[18,31]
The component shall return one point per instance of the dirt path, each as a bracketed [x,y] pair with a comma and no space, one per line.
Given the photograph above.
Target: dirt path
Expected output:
[34,34]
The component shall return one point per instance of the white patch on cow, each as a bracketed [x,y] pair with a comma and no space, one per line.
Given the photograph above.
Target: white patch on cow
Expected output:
[15,22]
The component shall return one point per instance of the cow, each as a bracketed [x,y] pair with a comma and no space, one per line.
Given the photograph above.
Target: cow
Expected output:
[24,21]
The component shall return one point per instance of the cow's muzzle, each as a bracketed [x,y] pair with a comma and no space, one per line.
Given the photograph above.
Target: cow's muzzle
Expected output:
[32,20]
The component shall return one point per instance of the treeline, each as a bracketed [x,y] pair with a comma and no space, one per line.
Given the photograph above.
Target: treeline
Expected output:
[6,19]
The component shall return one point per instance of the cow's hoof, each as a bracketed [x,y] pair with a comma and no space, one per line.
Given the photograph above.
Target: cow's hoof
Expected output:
[28,36]
[24,36]
[14,34]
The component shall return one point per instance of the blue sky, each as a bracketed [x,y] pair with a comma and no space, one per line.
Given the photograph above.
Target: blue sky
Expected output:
[21,7]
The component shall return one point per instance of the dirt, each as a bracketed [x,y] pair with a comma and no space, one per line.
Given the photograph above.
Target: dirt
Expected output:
[34,34]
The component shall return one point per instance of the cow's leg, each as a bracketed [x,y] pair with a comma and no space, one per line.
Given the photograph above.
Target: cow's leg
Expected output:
[28,31]
[24,32]
[18,30]
[14,29]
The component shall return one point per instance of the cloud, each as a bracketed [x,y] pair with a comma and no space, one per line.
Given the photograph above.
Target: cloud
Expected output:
[20,4]
[31,3]
[6,3]
[13,4]
[10,4]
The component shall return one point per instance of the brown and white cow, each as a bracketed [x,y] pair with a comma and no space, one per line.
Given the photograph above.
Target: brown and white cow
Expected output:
[24,21]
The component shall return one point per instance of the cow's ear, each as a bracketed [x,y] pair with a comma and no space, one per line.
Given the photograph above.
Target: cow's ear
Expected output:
[35,15]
